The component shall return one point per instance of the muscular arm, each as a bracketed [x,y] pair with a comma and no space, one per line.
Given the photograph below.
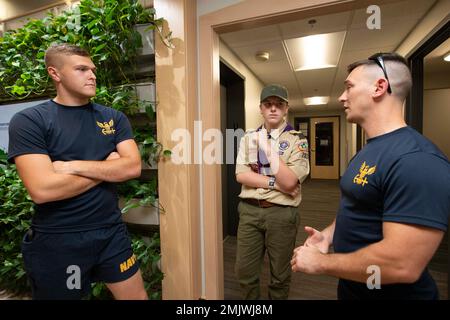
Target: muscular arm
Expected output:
[44,184]
[402,256]
[128,166]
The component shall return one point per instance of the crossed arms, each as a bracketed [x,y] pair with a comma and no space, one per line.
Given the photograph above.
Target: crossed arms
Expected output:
[401,255]
[47,181]
[286,180]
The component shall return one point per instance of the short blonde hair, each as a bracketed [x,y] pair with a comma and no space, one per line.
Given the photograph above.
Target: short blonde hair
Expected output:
[66,49]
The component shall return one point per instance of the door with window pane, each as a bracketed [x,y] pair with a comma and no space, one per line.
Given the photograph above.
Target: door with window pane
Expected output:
[324,148]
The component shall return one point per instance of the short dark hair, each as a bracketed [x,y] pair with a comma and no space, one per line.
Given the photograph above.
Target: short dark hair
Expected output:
[396,68]
[389,56]
[63,49]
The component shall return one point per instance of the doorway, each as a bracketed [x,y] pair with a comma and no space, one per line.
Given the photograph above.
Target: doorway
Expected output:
[324,148]
[232,109]
[246,16]
[428,108]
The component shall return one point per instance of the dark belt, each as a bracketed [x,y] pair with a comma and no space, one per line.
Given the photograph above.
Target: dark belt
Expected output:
[260,203]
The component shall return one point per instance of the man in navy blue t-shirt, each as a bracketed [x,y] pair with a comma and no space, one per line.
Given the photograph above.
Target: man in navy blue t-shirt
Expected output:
[69,152]
[395,200]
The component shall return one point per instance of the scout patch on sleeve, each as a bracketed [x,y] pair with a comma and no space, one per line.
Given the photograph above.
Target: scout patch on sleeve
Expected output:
[302,145]
[284,145]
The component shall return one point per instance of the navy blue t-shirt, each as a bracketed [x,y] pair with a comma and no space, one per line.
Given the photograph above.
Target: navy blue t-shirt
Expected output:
[397,177]
[89,132]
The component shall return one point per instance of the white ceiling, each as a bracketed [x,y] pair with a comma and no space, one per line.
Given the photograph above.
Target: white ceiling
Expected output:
[433,61]
[397,21]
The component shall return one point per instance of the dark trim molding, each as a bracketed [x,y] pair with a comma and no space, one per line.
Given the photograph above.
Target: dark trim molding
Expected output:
[414,102]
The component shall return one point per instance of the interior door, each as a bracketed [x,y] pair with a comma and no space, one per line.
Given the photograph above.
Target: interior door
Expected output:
[233,117]
[324,148]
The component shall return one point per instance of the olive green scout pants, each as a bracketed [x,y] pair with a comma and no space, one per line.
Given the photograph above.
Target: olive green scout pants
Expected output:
[274,229]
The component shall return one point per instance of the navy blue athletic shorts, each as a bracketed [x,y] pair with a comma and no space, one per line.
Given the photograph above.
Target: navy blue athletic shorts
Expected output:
[63,265]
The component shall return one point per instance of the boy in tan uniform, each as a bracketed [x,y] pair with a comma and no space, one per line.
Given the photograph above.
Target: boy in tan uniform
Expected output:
[271,164]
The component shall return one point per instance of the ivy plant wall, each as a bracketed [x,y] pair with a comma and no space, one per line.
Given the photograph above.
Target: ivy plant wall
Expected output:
[106,29]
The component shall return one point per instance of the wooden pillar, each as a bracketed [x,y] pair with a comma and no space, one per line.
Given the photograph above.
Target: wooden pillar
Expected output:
[176,89]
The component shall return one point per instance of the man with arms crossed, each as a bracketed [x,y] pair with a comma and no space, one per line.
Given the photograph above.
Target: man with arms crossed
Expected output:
[69,152]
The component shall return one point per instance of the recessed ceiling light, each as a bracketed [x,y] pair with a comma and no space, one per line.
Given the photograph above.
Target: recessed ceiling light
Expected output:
[262,56]
[315,52]
[312,101]
[447,57]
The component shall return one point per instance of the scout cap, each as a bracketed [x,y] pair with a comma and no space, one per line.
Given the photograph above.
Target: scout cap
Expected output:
[275,90]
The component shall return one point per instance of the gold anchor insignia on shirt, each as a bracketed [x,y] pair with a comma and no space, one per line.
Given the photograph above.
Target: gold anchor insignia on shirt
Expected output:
[107,127]
[364,171]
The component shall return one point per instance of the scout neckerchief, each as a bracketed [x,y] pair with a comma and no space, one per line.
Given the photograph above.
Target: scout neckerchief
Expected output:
[262,159]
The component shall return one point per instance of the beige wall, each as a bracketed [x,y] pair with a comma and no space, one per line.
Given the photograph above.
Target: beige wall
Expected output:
[10,9]
[176,87]
[17,13]
[208,6]
[435,80]
[253,86]
[347,138]
[18,16]
[436,115]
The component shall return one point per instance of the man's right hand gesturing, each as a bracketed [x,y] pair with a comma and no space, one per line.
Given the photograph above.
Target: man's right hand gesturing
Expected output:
[316,239]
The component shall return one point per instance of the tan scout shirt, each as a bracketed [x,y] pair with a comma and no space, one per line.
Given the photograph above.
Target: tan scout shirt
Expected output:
[292,149]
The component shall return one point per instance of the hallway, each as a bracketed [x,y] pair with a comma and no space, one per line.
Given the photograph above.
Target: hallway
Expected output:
[318,208]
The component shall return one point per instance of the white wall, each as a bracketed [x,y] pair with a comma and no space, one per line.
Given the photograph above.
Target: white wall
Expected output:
[347,138]
[436,115]
[253,86]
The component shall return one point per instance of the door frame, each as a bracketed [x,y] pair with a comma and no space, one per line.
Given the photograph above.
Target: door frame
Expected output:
[338,139]
[242,15]
[297,121]
[414,102]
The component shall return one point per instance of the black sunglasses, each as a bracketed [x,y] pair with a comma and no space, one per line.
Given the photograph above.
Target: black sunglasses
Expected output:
[378,59]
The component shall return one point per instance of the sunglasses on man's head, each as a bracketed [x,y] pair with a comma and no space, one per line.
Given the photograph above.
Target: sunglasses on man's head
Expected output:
[378,59]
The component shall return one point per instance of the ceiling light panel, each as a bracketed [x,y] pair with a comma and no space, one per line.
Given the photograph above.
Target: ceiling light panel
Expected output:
[315,52]
[314,101]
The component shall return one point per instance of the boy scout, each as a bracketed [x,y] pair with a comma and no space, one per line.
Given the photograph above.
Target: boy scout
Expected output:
[271,164]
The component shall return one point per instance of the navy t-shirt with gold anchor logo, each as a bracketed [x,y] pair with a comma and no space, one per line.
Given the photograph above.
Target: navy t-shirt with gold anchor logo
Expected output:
[397,177]
[89,132]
